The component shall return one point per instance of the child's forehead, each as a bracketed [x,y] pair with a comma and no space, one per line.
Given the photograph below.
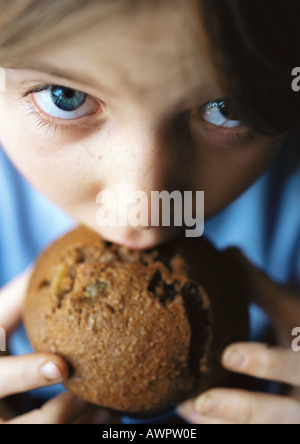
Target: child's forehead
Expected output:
[140,49]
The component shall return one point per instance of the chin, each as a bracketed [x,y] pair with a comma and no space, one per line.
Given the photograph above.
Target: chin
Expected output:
[136,239]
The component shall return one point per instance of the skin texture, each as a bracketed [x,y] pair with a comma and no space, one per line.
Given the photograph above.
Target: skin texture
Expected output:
[150,134]
[151,71]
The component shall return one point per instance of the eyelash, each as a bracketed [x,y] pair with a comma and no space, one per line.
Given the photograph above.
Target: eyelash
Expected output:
[232,138]
[228,136]
[222,135]
[40,120]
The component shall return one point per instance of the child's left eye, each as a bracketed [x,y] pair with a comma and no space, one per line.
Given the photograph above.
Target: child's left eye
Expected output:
[218,113]
[64,103]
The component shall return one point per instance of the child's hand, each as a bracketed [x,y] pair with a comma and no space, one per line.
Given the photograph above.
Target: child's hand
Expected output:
[23,373]
[282,364]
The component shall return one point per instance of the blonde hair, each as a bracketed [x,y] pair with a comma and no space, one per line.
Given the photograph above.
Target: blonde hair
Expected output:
[27,25]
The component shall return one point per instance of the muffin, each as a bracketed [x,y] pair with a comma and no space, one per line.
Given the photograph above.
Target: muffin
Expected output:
[141,330]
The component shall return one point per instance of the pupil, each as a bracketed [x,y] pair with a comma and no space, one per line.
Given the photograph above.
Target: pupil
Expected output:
[226,111]
[69,94]
[67,99]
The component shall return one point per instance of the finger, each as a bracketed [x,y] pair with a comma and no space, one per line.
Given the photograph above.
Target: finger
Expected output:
[11,301]
[248,408]
[278,364]
[23,373]
[60,410]
[294,393]
[189,413]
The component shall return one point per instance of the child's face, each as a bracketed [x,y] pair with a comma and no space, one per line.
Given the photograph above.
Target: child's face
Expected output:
[147,73]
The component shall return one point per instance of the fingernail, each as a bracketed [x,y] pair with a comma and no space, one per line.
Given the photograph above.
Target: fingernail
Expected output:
[188,411]
[206,404]
[51,372]
[234,359]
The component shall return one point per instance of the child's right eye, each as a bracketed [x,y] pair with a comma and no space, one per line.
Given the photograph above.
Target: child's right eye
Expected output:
[64,103]
[61,107]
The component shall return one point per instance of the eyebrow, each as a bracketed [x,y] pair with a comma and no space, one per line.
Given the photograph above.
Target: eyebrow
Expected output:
[81,78]
[72,76]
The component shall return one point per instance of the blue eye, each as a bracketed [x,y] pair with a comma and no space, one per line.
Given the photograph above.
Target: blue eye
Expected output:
[218,113]
[67,99]
[65,103]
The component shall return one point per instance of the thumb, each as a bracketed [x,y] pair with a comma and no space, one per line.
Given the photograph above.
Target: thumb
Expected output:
[11,301]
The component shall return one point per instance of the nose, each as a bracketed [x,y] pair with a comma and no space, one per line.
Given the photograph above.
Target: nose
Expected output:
[144,157]
[141,166]
[150,156]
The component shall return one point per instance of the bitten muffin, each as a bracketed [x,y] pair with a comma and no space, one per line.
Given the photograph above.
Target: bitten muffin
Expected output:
[141,330]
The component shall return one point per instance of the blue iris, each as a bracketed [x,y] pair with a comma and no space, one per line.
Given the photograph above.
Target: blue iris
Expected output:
[67,99]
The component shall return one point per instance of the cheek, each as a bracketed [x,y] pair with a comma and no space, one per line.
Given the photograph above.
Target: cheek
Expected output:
[225,174]
[64,173]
